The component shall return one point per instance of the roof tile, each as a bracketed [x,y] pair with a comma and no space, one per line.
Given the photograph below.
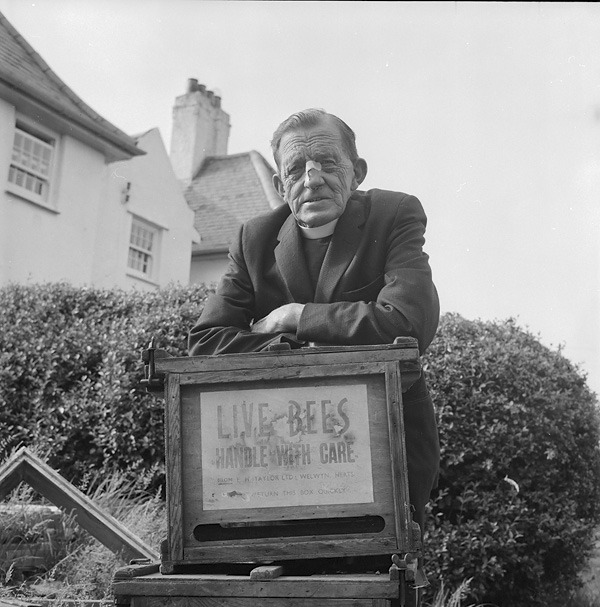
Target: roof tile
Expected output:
[24,69]
[225,193]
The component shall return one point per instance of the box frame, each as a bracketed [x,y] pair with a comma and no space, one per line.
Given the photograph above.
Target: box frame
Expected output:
[392,367]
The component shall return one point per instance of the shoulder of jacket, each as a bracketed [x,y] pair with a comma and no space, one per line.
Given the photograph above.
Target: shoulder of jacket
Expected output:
[388,201]
[270,220]
[388,197]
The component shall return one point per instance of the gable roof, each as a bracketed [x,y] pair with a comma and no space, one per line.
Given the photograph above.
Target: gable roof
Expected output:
[226,192]
[26,80]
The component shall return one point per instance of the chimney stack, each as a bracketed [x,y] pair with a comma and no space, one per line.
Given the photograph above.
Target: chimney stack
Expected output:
[200,129]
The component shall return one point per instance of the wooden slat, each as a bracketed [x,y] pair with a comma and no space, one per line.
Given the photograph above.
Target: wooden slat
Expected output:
[11,473]
[282,373]
[266,572]
[291,548]
[46,481]
[314,586]
[173,466]
[14,602]
[398,454]
[131,571]
[407,354]
[252,602]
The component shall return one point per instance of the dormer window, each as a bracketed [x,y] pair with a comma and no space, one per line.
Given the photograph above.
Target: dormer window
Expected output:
[31,165]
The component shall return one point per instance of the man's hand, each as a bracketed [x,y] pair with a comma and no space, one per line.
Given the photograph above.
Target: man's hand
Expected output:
[281,320]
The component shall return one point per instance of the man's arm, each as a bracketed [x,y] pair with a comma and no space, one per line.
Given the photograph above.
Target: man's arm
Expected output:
[406,305]
[226,323]
[281,320]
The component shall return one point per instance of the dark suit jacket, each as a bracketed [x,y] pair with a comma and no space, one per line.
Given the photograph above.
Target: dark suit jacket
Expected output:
[375,285]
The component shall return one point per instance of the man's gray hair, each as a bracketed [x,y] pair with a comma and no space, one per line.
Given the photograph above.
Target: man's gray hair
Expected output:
[309,118]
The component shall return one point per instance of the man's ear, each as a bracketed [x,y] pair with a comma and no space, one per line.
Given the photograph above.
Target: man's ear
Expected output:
[278,184]
[360,172]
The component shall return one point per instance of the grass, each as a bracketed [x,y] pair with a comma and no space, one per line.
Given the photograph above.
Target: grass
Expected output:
[79,568]
[447,598]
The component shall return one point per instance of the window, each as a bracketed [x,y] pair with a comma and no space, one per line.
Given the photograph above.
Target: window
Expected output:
[31,165]
[143,245]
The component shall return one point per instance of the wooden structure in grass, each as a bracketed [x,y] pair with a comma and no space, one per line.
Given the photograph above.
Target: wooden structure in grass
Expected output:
[24,466]
[214,590]
[287,455]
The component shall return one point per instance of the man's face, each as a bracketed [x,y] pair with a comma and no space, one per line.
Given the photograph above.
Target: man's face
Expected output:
[316,176]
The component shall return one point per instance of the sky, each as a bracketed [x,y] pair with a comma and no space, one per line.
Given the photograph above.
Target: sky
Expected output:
[488,112]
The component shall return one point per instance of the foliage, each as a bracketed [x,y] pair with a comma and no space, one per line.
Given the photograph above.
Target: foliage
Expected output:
[445,598]
[518,497]
[31,536]
[519,487]
[70,367]
[85,570]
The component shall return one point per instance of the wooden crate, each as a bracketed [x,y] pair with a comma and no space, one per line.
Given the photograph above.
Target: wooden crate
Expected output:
[287,455]
[214,590]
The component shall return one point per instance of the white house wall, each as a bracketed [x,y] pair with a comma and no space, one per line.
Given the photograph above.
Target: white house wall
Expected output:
[7,121]
[83,238]
[155,196]
[42,245]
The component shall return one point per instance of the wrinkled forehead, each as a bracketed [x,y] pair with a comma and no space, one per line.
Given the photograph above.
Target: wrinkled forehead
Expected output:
[312,143]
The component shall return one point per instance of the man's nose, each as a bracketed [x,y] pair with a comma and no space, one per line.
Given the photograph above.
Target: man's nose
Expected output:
[312,177]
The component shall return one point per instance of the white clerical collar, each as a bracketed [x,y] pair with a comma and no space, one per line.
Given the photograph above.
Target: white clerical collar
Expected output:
[319,231]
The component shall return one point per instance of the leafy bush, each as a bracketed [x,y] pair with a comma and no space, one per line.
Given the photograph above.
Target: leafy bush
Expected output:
[70,367]
[519,488]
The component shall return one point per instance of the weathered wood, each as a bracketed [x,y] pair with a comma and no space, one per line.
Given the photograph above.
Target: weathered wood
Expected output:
[44,602]
[406,352]
[24,466]
[174,466]
[220,503]
[290,548]
[14,602]
[282,373]
[207,585]
[177,601]
[131,571]
[266,572]
[30,554]
[11,473]
[398,456]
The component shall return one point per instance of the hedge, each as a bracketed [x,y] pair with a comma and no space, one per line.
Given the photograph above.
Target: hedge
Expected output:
[518,496]
[70,371]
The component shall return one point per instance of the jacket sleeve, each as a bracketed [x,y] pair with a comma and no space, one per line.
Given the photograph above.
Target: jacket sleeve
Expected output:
[407,304]
[224,325]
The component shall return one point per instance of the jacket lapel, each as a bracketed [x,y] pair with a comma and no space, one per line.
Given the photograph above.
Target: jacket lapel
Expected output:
[289,256]
[343,246]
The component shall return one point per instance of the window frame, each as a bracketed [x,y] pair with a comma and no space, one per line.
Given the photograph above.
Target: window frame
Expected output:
[153,252]
[47,140]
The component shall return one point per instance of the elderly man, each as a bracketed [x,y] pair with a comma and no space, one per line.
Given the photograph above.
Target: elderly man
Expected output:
[334,266]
